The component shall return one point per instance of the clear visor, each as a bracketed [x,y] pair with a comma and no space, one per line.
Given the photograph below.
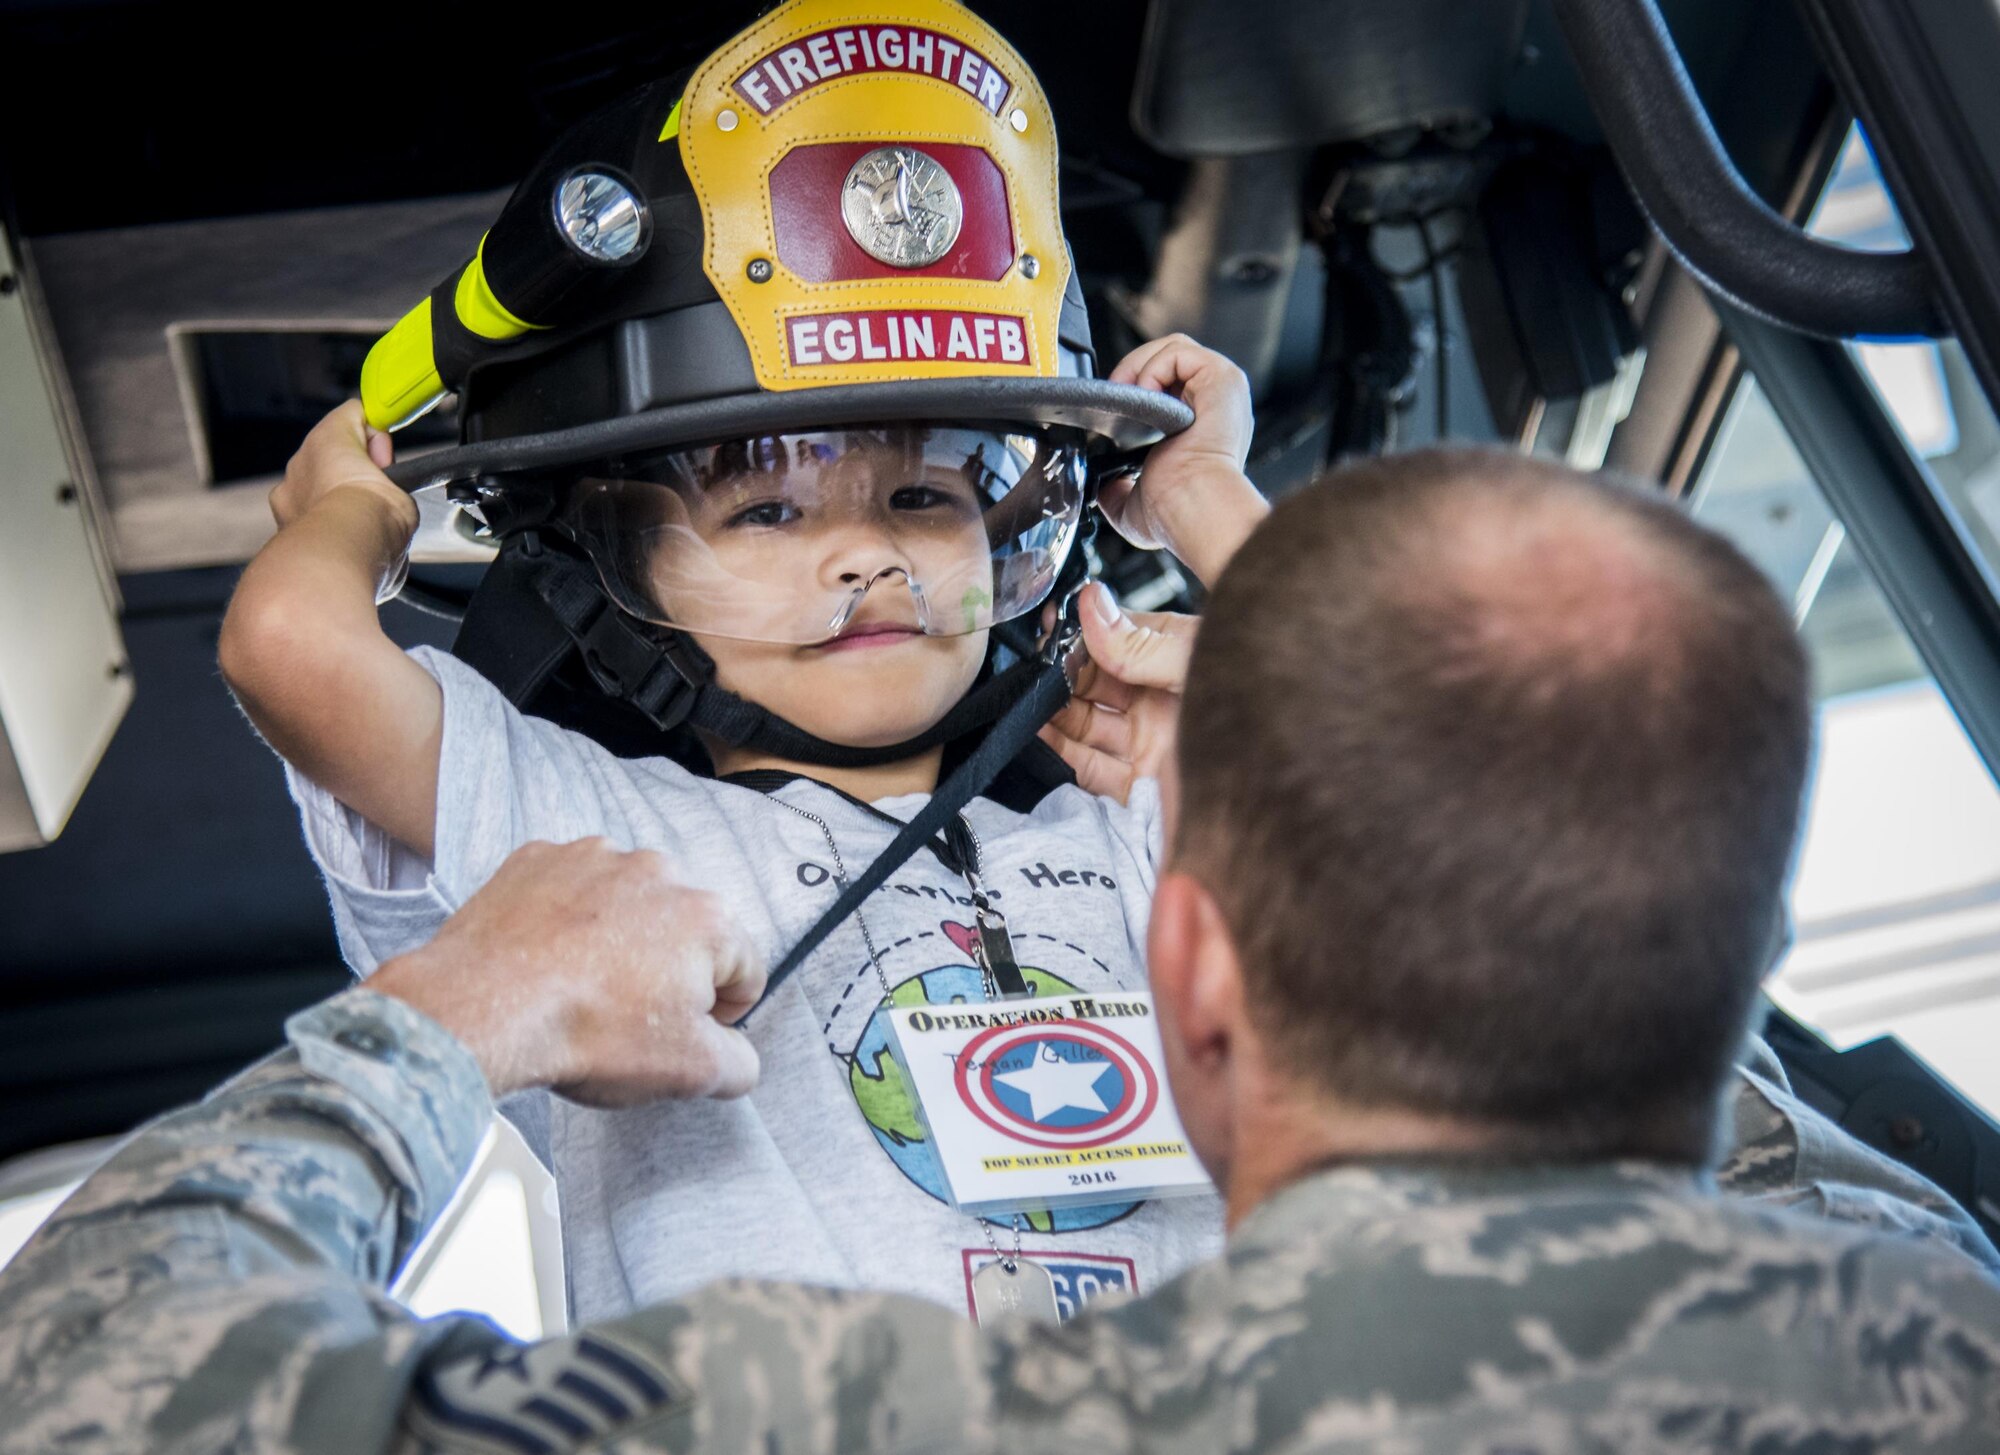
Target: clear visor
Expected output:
[802,538]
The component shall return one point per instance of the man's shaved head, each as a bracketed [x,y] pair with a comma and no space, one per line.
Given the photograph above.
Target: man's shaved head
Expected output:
[1495,769]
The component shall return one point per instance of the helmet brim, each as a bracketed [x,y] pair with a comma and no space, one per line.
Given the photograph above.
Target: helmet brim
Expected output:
[1115,417]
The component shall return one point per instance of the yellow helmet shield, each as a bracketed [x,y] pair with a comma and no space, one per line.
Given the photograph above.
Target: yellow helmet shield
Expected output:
[879,196]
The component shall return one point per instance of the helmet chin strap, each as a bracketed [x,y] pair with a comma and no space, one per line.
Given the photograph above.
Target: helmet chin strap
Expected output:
[547,603]
[667,678]
[743,724]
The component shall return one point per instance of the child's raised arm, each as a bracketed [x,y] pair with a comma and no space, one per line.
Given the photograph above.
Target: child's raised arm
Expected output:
[304,651]
[1192,497]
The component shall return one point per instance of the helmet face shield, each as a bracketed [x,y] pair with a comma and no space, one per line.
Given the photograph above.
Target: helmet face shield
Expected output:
[804,538]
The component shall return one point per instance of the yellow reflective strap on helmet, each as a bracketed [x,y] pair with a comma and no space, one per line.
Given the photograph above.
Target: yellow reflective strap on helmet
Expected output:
[399,378]
[673,127]
[479,310]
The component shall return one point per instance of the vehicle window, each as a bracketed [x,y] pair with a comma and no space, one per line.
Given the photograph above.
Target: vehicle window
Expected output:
[1928,387]
[1896,898]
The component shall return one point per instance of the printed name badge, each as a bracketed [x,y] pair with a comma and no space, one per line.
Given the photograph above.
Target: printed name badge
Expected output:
[1046,1103]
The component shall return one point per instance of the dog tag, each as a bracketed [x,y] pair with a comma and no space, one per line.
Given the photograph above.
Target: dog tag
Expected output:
[1029,1292]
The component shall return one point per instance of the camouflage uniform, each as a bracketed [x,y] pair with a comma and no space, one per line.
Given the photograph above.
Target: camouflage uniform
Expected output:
[1785,1153]
[218,1286]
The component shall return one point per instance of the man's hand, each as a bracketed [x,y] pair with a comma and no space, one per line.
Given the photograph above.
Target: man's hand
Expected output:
[1118,726]
[343,452]
[594,971]
[1192,496]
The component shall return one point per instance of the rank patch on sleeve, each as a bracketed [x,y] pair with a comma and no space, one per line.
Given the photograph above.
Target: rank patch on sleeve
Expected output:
[539,1399]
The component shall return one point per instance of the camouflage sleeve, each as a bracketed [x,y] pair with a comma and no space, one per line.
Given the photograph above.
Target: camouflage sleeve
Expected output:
[219,1284]
[187,1293]
[1784,1152]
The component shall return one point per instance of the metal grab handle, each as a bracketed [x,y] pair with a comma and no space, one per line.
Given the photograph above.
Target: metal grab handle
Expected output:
[1721,231]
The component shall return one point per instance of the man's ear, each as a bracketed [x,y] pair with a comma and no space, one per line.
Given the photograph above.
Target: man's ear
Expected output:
[1195,969]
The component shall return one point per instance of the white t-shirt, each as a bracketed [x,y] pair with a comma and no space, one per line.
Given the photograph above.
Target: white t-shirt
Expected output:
[823,1174]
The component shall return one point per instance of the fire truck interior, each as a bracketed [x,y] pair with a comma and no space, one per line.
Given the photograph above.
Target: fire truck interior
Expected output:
[1742,251]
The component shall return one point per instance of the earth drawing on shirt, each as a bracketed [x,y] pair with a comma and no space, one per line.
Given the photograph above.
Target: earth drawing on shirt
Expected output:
[890,1109]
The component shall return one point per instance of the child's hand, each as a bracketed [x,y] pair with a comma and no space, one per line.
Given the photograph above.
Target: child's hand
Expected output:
[1192,497]
[303,648]
[343,451]
[1118,727]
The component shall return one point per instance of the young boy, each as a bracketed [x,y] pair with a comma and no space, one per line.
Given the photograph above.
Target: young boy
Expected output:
[416,777]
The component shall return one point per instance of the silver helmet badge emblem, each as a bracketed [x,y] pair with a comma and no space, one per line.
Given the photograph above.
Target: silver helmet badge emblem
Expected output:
[901,207]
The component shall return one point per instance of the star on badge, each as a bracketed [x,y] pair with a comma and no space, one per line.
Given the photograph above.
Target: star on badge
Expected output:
[1053,1084]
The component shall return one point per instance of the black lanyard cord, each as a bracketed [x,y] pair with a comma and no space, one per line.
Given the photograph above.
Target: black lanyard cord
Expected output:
[1046,693]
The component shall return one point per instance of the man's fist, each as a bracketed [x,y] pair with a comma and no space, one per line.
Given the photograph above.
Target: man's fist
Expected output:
[594,971]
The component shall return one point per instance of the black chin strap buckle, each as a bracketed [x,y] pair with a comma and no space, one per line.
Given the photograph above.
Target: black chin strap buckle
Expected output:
[631,667]
[627,663]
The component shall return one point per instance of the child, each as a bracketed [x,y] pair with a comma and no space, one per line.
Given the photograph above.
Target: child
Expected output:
[416,778]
